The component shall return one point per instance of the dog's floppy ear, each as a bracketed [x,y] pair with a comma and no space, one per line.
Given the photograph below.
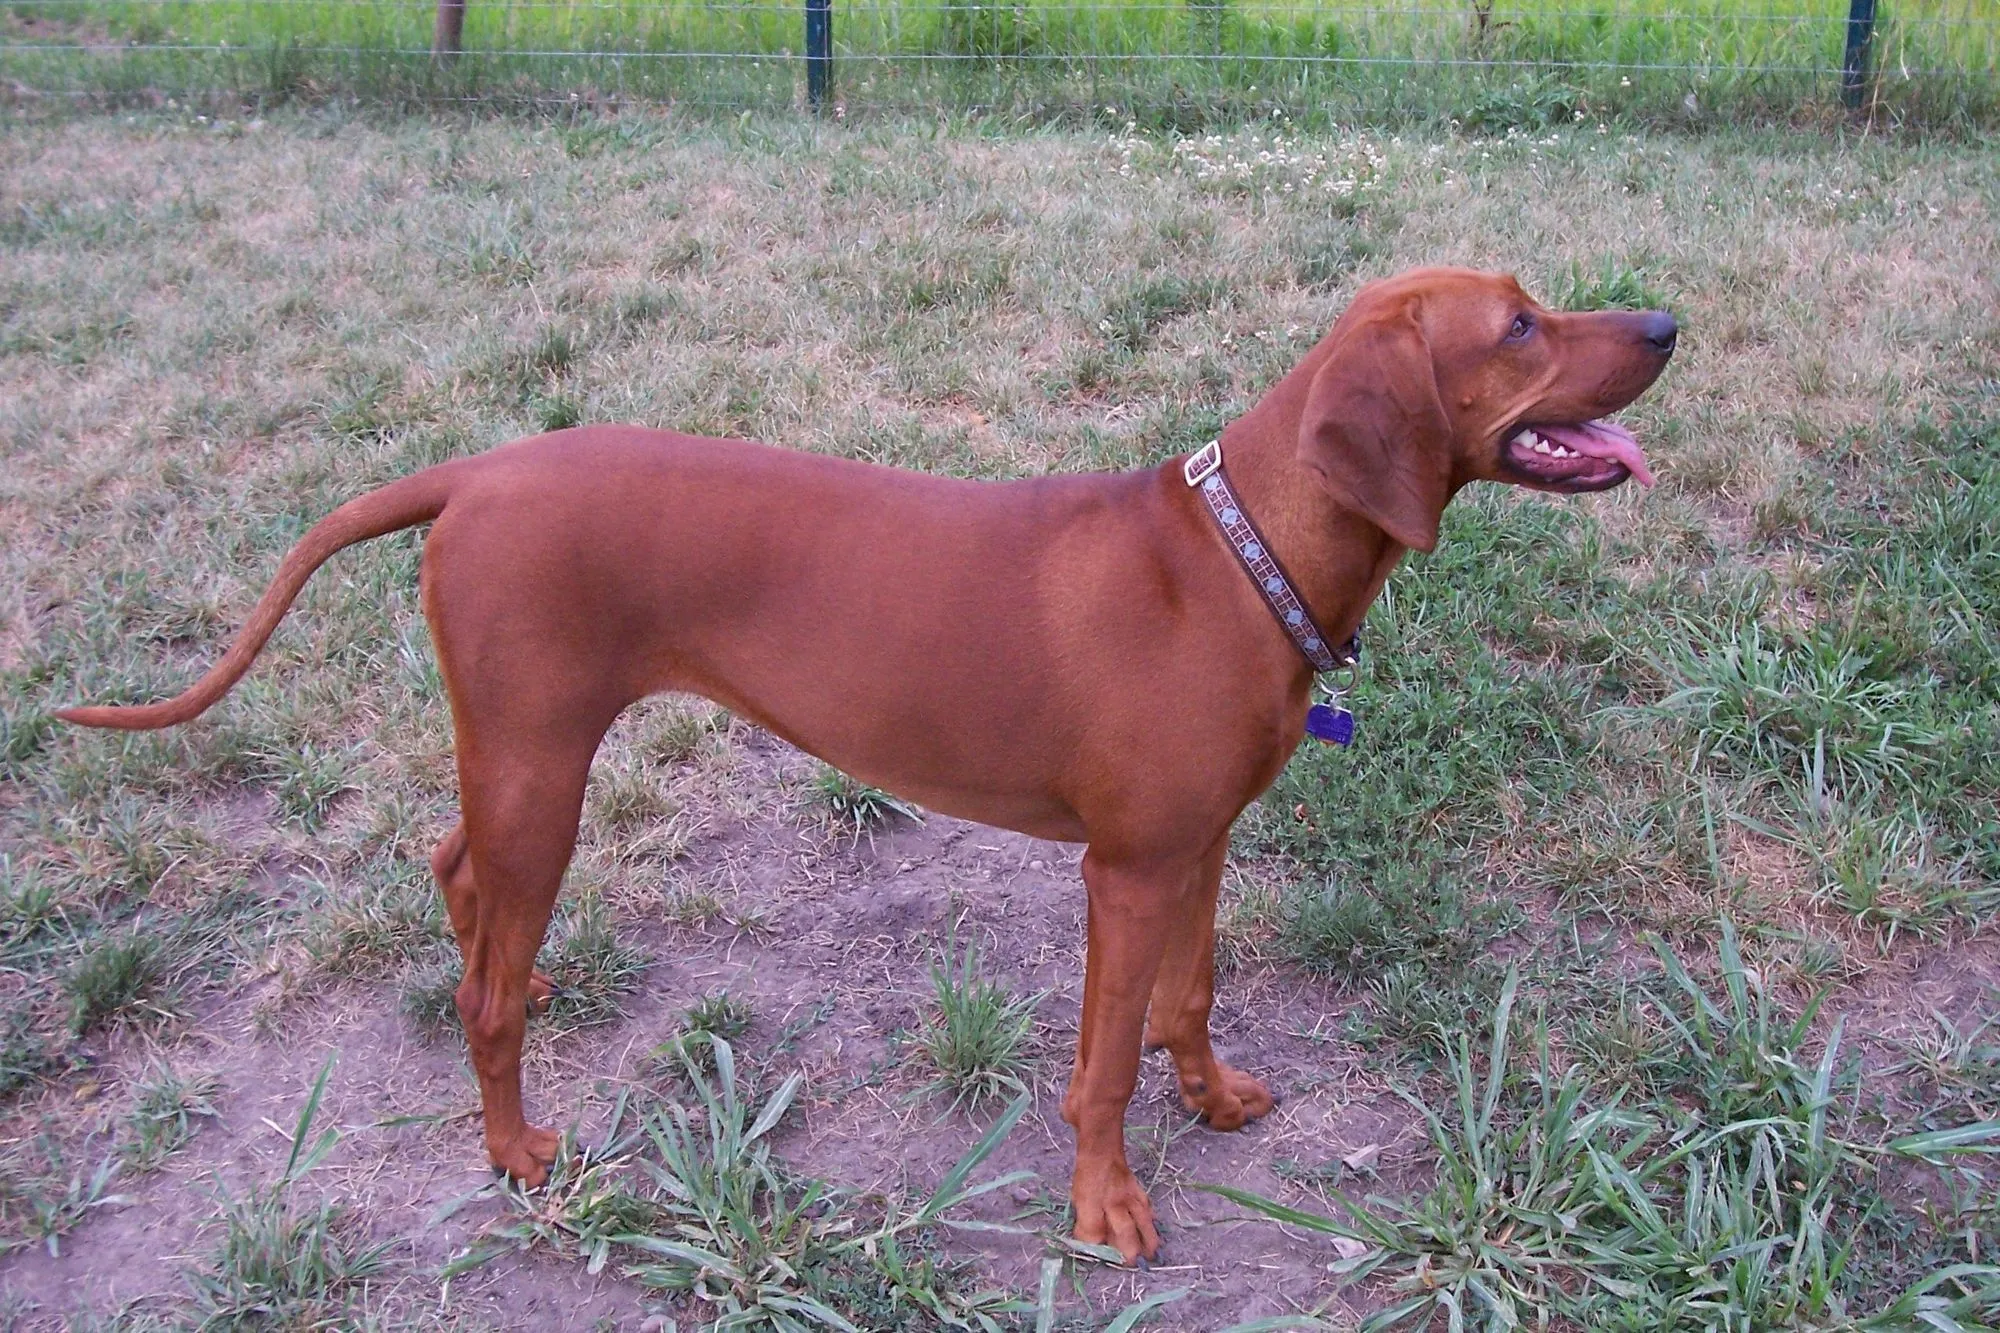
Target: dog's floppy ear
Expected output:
[1376,432]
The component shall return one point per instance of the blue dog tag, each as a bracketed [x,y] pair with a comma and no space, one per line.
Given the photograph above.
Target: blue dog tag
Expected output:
[1331,723]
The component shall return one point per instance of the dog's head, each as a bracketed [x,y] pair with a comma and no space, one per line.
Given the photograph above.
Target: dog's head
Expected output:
[1442,376]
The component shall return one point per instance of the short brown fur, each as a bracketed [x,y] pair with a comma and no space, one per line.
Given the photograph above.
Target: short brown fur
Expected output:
[996,651]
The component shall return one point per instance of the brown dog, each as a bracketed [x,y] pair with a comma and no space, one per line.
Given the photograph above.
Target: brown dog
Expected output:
[1004,652]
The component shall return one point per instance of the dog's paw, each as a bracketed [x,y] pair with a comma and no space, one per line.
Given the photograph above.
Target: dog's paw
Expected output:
[541,992]
[1112,1209]
[527,1155]
[1230,1101]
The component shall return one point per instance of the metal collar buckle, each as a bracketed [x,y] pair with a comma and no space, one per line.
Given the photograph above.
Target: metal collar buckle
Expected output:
[1202,463]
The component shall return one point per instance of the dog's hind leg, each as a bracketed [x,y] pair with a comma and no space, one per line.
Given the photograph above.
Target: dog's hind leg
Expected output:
[451,862]
[522,793]
[1182,996]
[519,619]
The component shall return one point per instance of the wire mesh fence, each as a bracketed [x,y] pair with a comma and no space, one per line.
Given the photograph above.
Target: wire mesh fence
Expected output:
[1534,62]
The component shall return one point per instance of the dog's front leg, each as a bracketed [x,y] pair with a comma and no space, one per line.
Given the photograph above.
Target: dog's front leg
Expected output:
[1226,1098]
[1130,911]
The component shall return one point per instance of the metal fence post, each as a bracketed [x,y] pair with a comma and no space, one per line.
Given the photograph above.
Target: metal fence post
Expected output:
[819,50]
[1854,66]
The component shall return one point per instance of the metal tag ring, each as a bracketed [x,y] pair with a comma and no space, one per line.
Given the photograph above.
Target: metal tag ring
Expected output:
[1331,692]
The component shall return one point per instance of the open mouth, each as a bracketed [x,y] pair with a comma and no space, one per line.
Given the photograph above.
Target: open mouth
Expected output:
[1589,456]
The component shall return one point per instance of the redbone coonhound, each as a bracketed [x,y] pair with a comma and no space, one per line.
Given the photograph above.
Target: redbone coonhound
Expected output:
[1080,658]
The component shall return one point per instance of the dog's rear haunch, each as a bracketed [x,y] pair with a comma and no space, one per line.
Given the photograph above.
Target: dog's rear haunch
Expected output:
[997,651]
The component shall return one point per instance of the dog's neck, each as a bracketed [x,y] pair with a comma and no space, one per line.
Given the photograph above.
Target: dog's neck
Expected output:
[1337,559]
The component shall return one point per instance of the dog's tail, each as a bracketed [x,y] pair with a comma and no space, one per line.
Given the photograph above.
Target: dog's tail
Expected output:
[400,504]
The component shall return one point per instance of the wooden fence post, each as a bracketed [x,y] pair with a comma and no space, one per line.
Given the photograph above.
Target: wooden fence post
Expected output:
[450,31]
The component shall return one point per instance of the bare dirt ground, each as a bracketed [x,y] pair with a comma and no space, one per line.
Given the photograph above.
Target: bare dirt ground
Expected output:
[840,925]
[829,935]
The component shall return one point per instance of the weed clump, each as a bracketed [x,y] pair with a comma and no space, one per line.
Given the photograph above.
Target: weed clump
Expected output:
[695,1203]
[845,804]
[976,1035]
[165,1105]
[122,979]
[718,1015]
[283,1261]
[590,964]
[1740,1201]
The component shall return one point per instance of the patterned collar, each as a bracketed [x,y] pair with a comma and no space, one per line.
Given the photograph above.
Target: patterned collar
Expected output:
[1203,472]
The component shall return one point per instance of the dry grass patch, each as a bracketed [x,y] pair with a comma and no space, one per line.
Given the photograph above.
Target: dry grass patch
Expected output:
[1765,690]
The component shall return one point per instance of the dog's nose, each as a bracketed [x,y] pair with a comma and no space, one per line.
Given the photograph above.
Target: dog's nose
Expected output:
[1659,329]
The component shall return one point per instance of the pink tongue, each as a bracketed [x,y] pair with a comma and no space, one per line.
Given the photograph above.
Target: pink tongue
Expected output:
[1602,439]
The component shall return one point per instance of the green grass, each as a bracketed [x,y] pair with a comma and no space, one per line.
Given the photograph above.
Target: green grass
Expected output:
[282,1260]
[60,1195]
[1610,285]
[1767,690]
[1847,749]
[1493,66]
[165,1106]
[693,1201]
[718,1015]
[853,807]
[390,914]
[429,992]
[591,965]
[119,980]
[976,1033]
[1740,1199]
[1959,1060]
[721,1014]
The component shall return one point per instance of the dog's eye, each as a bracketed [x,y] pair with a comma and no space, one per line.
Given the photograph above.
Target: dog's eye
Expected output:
[1522,327]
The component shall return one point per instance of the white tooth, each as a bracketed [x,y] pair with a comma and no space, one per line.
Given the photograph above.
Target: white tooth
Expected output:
[1541,446]
[1561,452]
[1524,438]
